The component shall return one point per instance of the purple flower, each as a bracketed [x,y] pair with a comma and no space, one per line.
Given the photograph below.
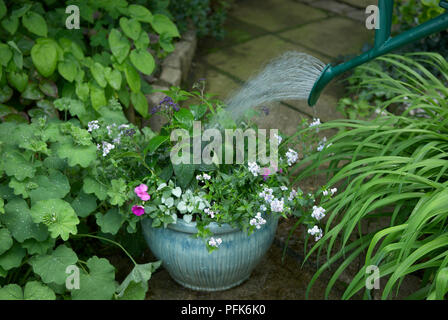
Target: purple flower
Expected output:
[138,210]
[265,110]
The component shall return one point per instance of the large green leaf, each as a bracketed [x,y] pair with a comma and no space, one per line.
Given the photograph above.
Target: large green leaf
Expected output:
[110,222]
[57,215]
[84,204]
[68,69]
[97,96]
[13,257]
[163,25]
[133,78]
[119,45]
[15,164]
[131,27]
[93,186]
[140,103]
[34,290]
[38,247]
[45,57]
[155,143]
[98,283]
[140,13]
[97,70]
[76,154]
[5,54]
[53,186]
[10,24]
[143,61]
[11,292]
[17,218]
[18,80]
[35,23]
[113,77]
[52,267]
[139,275]
[5,240]
[32,92]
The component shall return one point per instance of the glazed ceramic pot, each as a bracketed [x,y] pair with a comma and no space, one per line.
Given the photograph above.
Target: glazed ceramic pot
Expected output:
[190,264]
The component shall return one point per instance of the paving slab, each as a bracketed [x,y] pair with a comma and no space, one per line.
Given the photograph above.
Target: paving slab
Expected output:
[275,15]
[247,59]
[334,36]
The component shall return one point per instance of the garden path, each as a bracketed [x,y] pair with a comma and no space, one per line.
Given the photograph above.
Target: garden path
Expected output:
[258,31]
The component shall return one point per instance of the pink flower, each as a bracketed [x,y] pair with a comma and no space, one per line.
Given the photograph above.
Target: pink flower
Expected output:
[138,210]
[141,192]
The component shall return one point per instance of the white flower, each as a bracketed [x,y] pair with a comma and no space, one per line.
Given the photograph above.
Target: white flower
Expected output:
[206,176]
[254,168]
[318,213]
[199,177]
[107,147]
[209,212]
[263,207]
[316,232]
[292,157]
[93,125]
[279,138]
[277,205]
[333,191]
[284,188]
[325,192]
[322,144]
[214,242]
[117,140]
[316,123]
[258,221]
[267,195]
[292,195]
[109,128]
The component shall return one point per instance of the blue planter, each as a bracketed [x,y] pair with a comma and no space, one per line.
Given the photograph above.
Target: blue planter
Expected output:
[190,264]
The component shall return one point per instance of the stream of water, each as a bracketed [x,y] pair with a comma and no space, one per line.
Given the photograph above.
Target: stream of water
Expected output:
[288,77]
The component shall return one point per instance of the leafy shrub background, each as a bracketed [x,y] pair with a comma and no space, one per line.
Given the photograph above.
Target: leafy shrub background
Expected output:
[42,60]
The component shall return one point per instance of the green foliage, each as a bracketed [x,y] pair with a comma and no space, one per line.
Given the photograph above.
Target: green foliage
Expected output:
[52,178]
[42,60]
[394,168]
[207,16]
[409,13]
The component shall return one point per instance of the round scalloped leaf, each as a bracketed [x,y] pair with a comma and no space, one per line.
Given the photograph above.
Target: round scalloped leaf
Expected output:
[93,186]
[12,258]
[38,247]
[52,267]
[84,204]
[17,218]
[99,283]
[54,186]
[15,164]
[82,155]
[57,215]
[11,292]
[35,290]
[5,240]
[110,222]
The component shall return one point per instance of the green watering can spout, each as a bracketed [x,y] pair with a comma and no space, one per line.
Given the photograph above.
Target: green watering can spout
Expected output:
[384,43]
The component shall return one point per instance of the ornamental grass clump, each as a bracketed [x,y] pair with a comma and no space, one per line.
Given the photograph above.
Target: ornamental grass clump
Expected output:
[392,168]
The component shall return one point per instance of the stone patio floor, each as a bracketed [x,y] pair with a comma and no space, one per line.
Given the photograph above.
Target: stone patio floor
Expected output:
[258,31]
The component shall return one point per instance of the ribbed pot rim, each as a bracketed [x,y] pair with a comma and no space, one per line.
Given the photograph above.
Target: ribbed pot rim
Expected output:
[190,227]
